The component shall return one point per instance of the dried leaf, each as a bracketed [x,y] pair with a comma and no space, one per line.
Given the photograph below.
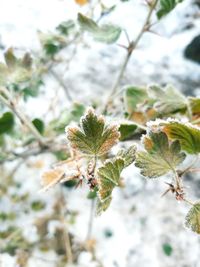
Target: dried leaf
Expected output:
[192,220]
[52,177]
[160,156]
[62,173]
[93,137]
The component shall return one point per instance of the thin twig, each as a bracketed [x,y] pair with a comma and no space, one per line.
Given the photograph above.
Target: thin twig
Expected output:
[62,84]
[12,155]
[132,45]
[91,219]
[8,101]
[65,228]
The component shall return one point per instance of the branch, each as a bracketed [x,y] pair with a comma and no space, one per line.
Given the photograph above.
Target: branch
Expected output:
[33,152]
[132,45]
[62,84]
[7,100]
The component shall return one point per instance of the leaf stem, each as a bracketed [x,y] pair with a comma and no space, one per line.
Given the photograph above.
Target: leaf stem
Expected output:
[189,202]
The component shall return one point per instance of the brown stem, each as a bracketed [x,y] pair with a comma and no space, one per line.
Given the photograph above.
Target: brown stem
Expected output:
[130,49]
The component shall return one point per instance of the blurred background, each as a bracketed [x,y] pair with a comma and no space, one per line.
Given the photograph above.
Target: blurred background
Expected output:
[73,71]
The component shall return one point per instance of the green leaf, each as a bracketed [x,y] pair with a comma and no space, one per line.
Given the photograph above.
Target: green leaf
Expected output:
[187,134]
[167,6]
[32,89]
[93,137]
[167,249]
[102,205]
[65,27]
[192,220]
[194,105]
[106,33]
[168,100]
[68,115]
[39,125]
[37,205]
[108,177]
[92,194]
[127,129]
[52,43]
[6,122]
[10,58]
[128,155]
[160,156]
[134,96]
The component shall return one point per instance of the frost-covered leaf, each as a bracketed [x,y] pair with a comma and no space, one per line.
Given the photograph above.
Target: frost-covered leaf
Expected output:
[6,122]
[16,70]
[168,100]
[167,6]
[103,206]
[187,134]
[192,220]
[134,96]
[106,33]
[160,156]
[127,129]
[93,137]
[128,155]
[108,177]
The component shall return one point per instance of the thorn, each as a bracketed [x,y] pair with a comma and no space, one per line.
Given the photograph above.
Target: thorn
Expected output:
[123,46]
